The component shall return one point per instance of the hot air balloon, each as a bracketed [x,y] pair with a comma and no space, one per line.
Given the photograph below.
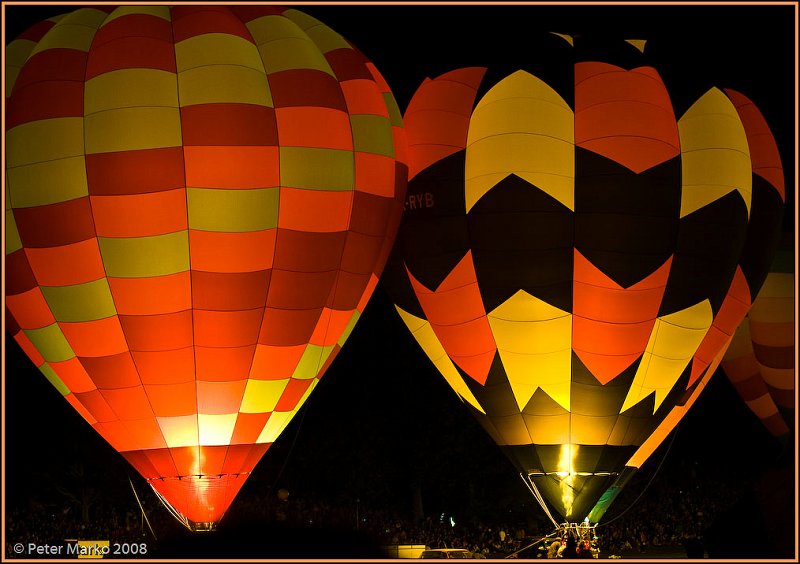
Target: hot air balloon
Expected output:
[760,361]
[574,256]
[200,201]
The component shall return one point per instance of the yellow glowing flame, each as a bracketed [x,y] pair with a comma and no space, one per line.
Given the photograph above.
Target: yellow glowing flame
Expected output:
[566,460]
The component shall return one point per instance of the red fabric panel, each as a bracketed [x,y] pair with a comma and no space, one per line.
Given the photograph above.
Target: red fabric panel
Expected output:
[165,367]
[292,394]
[306,87]
[223,364]
[114,371]
[55,224]
[30,309]
[158,332]
[300,290]
[229,291]
[228,124]
[190,21]
[300,251]
[135,172]
[129,403]
[227,328]
[247,429]
[287,327]
[132,41]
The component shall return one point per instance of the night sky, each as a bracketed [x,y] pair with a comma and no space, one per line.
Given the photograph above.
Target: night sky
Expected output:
[382,419]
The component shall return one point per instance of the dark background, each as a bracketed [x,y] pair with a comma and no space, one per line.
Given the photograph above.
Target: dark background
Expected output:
[383,424]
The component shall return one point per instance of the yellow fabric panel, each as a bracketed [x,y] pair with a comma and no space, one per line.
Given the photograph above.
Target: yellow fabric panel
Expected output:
[293,53]
[780,378]
[638,43]
[673,342]
[372,134]
[317,169]
[591,429]
[232,211]
[216,429]
[550,429]
[129,88]
[777,285]
[325,38]
[17,53]
[179,431]
[130,129]
[521,126]
[534,340]
[395,115]
[425,336]
[772,310]
[74,31]
[261,396]
[763,406]
[674,416]
[157,11]
[351,324]
[81,302]
[44,140]
[741,342]
[145,256]
[51,375]
[48,182]
[224,83]
[13,241]
[51,343]
[312,360]
[277,422]
[216,49]
[715,156]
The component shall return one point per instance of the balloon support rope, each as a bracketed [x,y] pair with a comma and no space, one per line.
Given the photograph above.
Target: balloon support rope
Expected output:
[538,497]
[174,512]
[146,520]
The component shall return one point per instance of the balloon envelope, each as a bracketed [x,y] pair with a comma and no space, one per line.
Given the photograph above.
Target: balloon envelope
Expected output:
[200,201]
[574,256]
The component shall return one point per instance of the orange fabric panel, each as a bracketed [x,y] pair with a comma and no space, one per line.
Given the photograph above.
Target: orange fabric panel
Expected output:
[275,363]
[97,405]
[158,332]
[213,459]
[237,167]
[375,174]
[139,460]
[162,461]
[307,126]
[172,400]
[27,347]
[102,337]
[365,296]
[114,371]
[229,291]
[219,398]
[452,94]
[30,309]
[248,427]
[74,375]
[165,367]
[362,97]
[712,343]
[239,457]
[116,433]
[764,153]
[129,403]
[140,215]
[67,265]
[232,252]
[153,295]
[330,326]
[223,364]
[315,210]
[455,311]
[73,401]
[626,116]
[292,394]
[227,328]
[772,334]
[187,460]
[609,348]
[300,290]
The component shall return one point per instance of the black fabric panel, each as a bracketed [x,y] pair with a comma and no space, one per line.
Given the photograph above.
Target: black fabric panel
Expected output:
[521,238]
[763,234]
[590,397]
[626,224]
[709,246]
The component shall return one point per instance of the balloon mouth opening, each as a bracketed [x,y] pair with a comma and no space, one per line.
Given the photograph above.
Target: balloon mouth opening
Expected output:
[203,526]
